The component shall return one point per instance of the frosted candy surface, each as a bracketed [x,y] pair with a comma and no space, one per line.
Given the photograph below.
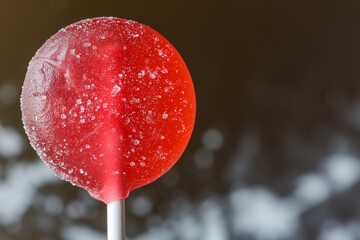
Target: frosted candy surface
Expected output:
[109,105]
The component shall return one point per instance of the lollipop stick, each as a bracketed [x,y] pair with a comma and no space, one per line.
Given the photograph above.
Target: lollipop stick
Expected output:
[116,220]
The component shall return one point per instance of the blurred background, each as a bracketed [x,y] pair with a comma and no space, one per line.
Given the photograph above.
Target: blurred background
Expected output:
[275,154]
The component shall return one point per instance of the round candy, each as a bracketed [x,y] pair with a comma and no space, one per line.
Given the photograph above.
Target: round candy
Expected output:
[109,105]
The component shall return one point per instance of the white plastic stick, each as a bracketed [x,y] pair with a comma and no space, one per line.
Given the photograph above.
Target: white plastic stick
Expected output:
[116,220]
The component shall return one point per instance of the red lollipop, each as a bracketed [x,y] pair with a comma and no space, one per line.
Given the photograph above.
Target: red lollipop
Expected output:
[109,105]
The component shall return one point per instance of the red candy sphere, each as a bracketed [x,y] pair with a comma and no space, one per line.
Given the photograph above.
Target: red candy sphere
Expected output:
[109,105]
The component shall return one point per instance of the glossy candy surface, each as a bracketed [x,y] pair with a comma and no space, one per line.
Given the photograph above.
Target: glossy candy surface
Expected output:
[109,105]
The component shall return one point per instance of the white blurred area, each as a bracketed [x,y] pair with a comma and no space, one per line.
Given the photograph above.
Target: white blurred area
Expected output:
[254,212]
[19,189]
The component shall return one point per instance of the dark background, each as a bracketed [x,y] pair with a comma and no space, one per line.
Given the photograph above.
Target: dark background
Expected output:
[275,151]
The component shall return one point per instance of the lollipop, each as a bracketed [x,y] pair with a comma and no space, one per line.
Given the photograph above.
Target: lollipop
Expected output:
[109,105]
